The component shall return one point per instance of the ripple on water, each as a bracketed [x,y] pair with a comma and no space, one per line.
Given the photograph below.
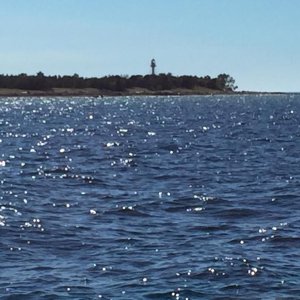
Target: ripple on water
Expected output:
[149,197]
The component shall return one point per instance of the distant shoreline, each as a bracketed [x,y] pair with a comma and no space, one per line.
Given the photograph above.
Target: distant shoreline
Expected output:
[90,92]
[39,85]
[114,85]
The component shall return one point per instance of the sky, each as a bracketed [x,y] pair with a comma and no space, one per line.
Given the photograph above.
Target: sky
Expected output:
[257,42]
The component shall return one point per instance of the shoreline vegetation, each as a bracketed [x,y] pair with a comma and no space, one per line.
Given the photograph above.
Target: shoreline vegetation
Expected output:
[161,84]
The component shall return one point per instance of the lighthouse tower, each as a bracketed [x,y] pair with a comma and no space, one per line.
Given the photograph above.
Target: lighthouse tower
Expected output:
[153,65]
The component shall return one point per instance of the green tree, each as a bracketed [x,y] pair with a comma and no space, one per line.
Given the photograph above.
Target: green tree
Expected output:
[226,82]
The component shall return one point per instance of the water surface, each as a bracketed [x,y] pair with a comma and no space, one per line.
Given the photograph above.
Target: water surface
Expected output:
[150,197]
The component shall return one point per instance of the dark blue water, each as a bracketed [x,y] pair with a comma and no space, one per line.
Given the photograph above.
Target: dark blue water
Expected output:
[150,198]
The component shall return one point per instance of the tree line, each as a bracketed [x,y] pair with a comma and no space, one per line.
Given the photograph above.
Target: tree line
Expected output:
[222,82]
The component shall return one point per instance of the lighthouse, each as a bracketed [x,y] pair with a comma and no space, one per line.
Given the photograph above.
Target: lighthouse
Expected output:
[153,65]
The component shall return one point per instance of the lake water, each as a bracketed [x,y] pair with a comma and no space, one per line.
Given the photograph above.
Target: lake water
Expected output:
[150,197]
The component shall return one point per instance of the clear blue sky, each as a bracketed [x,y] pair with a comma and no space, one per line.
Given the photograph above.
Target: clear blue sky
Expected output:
[255,41]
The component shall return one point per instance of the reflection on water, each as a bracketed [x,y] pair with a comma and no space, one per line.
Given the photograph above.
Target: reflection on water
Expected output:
[150,197]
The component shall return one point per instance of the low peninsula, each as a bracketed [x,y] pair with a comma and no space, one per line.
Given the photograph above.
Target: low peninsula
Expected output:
[115,85]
